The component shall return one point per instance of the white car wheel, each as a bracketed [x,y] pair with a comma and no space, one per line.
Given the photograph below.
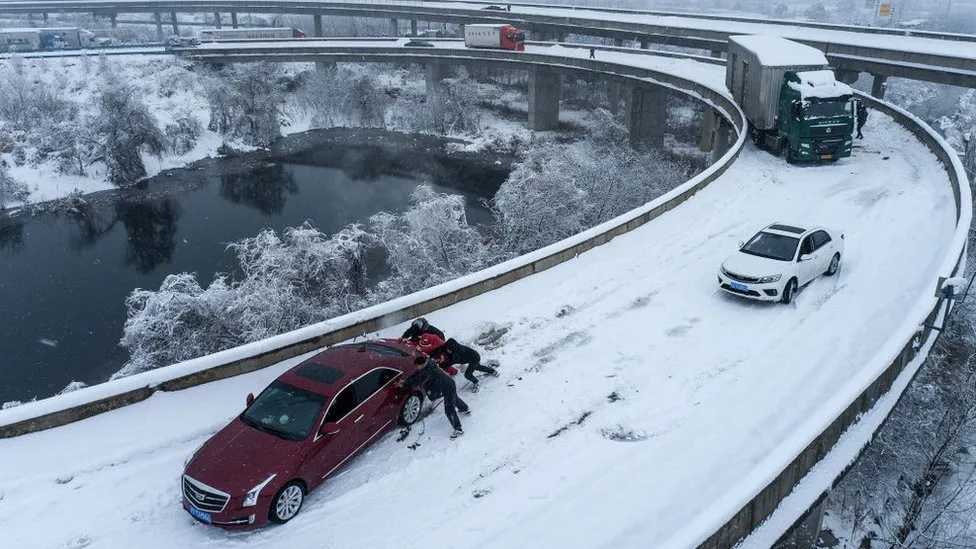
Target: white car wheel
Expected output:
[789,291]
[834,265]
[287,503]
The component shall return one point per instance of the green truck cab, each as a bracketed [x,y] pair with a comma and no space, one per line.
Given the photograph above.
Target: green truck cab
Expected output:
[793,102]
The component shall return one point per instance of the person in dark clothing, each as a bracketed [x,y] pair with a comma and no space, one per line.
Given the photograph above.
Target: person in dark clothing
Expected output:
[436,383]
[592,53]
[455,353]
[509,7]
[420,327]
[862,117]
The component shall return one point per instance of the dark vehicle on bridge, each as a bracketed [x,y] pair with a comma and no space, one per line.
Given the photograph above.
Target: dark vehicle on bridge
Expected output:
[418,44]
[300,429]
[494,8]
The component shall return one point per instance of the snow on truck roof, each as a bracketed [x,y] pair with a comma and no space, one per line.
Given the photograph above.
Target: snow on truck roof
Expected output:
[820,84]
[775,51]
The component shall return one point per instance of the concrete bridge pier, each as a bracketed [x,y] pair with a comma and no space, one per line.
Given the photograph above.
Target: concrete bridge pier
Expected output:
[722,135]
[545,90]
[216,20]
[233,19]
[618,42]
[115,20]
[159,26]
[394,28]
[878,85]
[846,76]
[317,24]
[648,117]
[560,36]
[436,71]
[645,43]
[716,54]
[613,96]
[176,24]
[710,120]
[44,15]
[413,27]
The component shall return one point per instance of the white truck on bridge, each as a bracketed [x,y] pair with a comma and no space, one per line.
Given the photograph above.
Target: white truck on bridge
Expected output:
[794,104]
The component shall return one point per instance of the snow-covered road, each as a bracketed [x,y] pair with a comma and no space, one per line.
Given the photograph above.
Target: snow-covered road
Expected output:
[634,394]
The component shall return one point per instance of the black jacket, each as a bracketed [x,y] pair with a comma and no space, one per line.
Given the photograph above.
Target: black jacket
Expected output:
[458,354]
[414,334]
[434,381]
[862,113]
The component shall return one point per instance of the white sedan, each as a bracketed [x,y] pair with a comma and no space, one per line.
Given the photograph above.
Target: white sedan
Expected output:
[779,260]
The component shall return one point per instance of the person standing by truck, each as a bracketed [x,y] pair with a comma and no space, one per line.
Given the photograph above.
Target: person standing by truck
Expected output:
[862,117]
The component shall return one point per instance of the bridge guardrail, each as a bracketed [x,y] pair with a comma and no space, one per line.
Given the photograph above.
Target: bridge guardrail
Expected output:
[90,401]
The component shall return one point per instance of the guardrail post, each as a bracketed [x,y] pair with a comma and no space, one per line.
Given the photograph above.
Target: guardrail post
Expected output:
[233,20]
[648,117]
[216,19]
[176,25]
[545,89]
[159,25]
[413,27]
[394,28]
[317,23]
[878,85]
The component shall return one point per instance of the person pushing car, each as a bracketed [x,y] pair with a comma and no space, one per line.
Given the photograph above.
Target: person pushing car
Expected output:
[418,328]
[436,383]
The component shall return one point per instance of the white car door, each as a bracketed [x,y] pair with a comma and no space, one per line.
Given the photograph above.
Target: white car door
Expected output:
[806,269]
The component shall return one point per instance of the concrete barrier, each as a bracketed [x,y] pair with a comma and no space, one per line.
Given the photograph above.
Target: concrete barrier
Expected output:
[762,505]
[94,400]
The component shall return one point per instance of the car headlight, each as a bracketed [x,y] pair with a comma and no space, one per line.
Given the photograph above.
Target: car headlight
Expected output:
[251,498]
[768,279]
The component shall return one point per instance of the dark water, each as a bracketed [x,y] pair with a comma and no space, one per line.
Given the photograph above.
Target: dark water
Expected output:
[64,277]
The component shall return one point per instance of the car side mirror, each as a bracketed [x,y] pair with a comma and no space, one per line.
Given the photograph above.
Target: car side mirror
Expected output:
[330,428]
[805,257]
[250,398]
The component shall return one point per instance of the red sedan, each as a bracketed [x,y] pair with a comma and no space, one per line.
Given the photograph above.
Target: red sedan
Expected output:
[299,430]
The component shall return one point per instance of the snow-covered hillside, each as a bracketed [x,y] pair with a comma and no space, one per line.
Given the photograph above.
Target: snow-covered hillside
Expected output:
[636,404]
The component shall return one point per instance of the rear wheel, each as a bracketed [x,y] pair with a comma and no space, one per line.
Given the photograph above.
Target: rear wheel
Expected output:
[789,291]
[287,502]
[410,412]
[834,265]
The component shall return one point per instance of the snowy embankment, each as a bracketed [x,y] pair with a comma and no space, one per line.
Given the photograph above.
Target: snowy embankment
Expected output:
[634,395]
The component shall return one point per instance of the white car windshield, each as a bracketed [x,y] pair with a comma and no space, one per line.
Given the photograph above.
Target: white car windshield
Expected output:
[772,246]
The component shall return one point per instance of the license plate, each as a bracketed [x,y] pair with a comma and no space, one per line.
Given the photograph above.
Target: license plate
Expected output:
[737,286]
[826,156]
[200,515]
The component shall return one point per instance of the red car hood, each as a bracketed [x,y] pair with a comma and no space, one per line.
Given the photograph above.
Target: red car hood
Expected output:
[240,457]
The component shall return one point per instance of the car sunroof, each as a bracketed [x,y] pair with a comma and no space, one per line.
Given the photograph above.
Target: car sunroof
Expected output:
[788,229]
[318,372]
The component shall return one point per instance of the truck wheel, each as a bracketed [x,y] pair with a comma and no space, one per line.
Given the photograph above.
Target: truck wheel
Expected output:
[790,157]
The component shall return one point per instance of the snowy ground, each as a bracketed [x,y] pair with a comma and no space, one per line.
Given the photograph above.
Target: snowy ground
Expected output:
[669,391]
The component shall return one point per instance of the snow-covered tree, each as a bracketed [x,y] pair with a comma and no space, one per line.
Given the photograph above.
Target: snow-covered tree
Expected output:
[182,134]
[11,189]
[365,102]
[246,102]
[430,243]
[963,121]
[125,128]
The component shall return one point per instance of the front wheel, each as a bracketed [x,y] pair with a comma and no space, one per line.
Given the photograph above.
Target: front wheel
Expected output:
[834,265]
[789,291]
[287,502]
[410,412]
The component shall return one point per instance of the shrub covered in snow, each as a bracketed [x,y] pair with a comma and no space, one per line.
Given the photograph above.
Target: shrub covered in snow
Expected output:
[182,134]
[125,128]
[11,189]
[246,102]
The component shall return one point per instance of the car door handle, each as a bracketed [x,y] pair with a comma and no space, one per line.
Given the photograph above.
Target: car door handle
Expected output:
[359,418]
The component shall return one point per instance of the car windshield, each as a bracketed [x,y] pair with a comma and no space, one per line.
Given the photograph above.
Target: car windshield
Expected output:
[284,411]
[772,246]
[825,109]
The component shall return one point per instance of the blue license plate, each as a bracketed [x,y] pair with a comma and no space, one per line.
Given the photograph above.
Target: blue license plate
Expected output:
[200,515]
[737,286]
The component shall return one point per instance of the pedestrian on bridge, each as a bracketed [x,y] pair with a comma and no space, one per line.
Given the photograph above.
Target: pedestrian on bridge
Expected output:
[862,117]
[592,53]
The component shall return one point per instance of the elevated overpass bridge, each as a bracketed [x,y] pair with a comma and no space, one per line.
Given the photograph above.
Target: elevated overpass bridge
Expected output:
[936,57]
[739,403]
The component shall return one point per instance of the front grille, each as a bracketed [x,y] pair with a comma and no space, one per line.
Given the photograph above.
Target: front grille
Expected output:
[203,497]
[728,288]
[828,131]
[741,278]
[825,146]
